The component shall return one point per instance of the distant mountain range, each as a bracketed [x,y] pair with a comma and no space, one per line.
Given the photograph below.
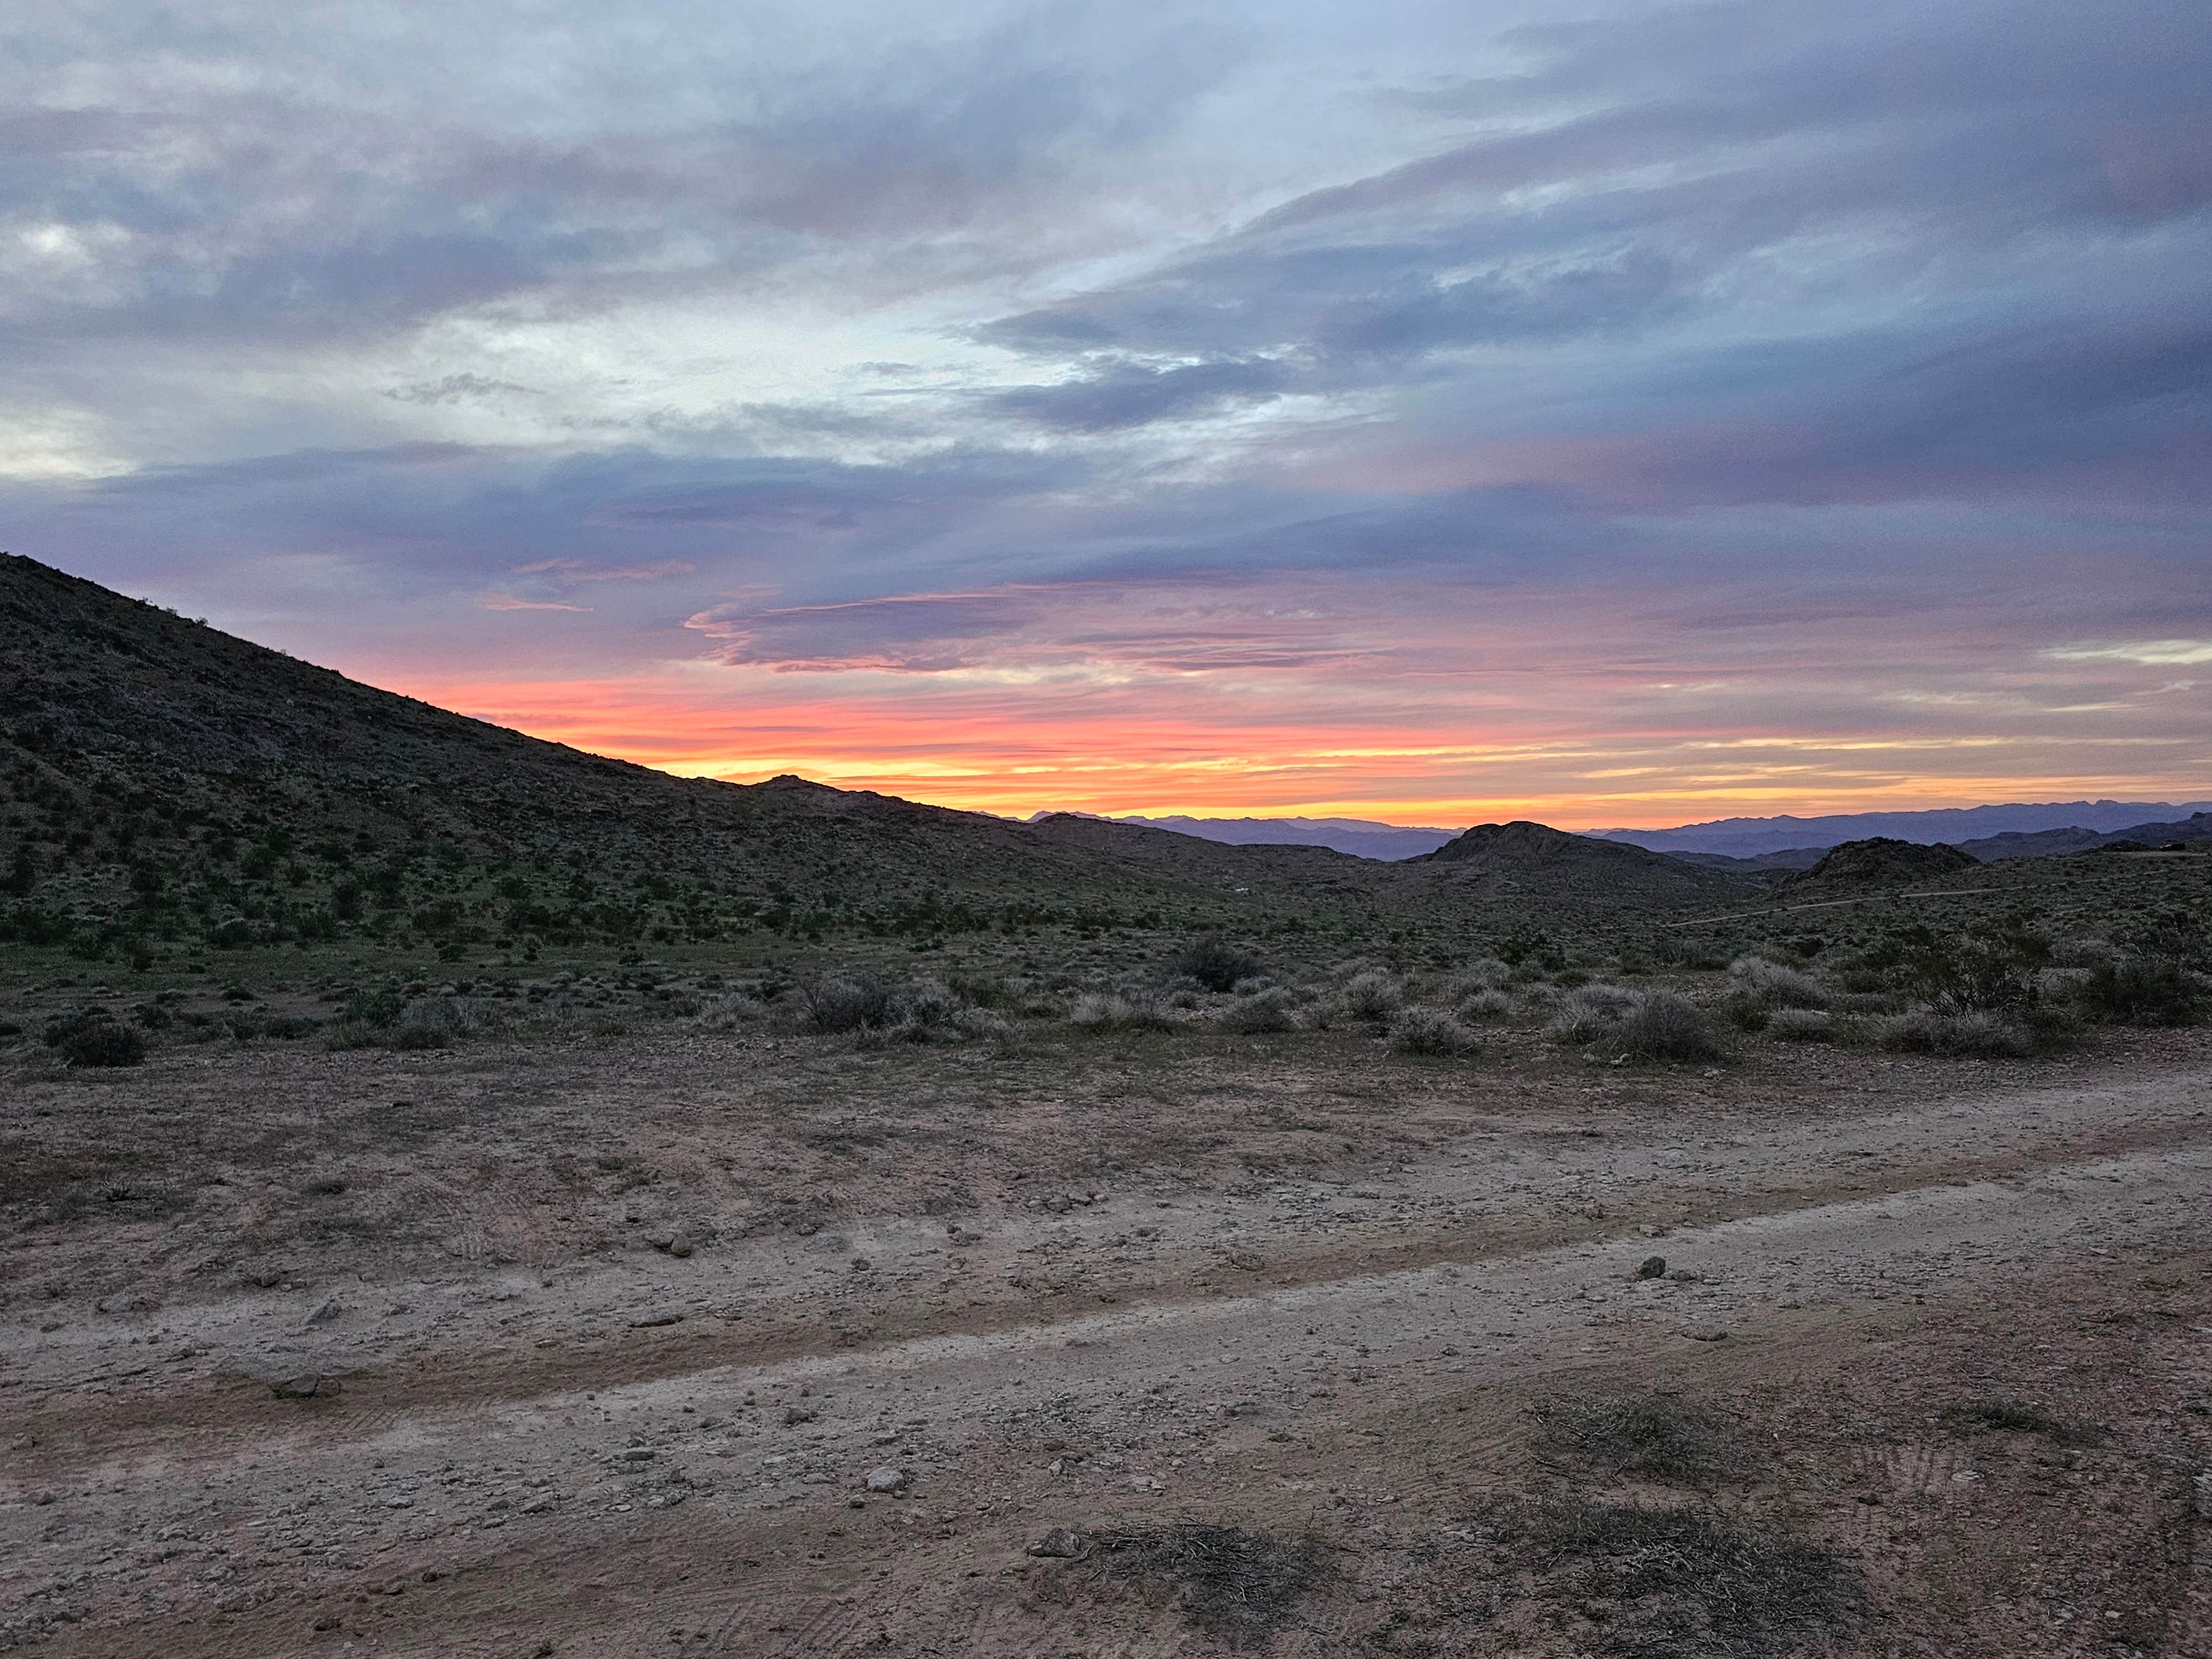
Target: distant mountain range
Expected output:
[1752,838]
[1361,837]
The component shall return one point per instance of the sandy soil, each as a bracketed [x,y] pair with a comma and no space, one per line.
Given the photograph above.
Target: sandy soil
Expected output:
[592,1350]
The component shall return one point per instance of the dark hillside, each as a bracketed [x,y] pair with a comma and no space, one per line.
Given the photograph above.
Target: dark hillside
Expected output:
[161,781]
[1881,862]
[1521,856]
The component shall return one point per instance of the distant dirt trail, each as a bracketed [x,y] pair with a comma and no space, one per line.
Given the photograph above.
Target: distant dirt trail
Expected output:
[1275,1359]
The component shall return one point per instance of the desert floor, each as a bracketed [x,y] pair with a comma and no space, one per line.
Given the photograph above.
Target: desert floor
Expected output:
[593,1348]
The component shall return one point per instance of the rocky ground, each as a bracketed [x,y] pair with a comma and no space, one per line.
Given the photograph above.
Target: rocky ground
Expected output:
[1129,1346]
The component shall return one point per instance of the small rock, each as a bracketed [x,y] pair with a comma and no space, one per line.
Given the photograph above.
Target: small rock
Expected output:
[538,1505]
[679,1247]
[660,1241]
[325,1314]
[301,1387]
[1683,1276]
[1060,1544]
[651,1320]
[638,1454]
[1653,1266]
[1706,1335]
[887,1479]
[794,1415]
[1059,1203]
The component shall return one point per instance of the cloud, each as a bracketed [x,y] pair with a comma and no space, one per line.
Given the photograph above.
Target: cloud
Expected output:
[2149,653]
[509,602]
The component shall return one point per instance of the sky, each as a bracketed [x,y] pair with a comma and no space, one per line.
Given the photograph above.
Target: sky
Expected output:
[1610,412]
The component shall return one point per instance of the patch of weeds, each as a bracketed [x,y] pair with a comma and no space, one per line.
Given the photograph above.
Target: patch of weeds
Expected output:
[93,1039]
[2015,1417]
[1237,1587]
[1425,1031]
[1667,1583]
[1111,1011]
[1651,1434]
[1642,1025]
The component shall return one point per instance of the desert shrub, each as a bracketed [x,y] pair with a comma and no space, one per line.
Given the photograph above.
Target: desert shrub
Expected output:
[376,1006]
[1646,1433]
[1373,997]
[1777,986]
[834,1005]
[1801,1025]
[1978,1034]
[1483,973]
[1271,1010]
[1589,1013]
[1643,1025]
[2141,990]
[431,1023]
[1484,1004]
[1215,962]
[1111,1011]
[93,1039]
[1425,1031]
[1993,966]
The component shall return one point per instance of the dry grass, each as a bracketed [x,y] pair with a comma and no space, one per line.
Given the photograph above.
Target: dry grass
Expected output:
[1237,1586]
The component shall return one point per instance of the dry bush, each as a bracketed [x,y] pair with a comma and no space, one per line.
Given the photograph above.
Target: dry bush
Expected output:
[1652,1434]
[1801,1025]
[1484,1004]
[1425,1031]
[1642,1025]
[1483,973]
[1680,1580]
[1215,962]
[1373,997]
[1111,1011]
[2142,990]
[92,1039]
[1777,986]
[838,1004]
[1237,1586]
[1271,1010]
[1977,1035]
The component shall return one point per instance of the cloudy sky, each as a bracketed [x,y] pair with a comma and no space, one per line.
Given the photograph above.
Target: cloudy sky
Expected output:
[1607,412]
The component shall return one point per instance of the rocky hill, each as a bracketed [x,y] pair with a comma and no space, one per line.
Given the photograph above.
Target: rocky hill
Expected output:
[1521,856]
[1880,861]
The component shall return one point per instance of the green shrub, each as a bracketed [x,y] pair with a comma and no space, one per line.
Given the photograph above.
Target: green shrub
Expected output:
[1639,1025]
[1373,997]
[1215,962]
[2142,990]
[1978,1034]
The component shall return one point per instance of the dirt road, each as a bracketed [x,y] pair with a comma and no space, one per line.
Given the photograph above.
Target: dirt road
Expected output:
[1956,1327]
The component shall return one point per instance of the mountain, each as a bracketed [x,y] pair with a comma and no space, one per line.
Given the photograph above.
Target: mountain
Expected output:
[1880,861]
[1361,837]
[167,789]
[165,784]
[1750,837]
[2050,842]
[1521,856]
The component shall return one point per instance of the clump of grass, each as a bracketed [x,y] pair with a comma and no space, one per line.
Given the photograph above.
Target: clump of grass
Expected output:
[1651,1434]
[1237,1587]
[1111,1011]
[1271,1009]
[1683,1582]
[1978,1033]
[1801,1025]
[1641,1026]
[1215,962]
[1777,985]
[1484,1004]
[1483,973]
[838,1004]
[1425,1031]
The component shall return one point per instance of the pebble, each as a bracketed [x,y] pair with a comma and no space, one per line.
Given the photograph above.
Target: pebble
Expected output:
[794,1415]
[651,1320]
[1706,1336]
[325,1314]
[679,1247]
[1654,1266]
[638,1454]
[1060,1544]
[887,1479]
